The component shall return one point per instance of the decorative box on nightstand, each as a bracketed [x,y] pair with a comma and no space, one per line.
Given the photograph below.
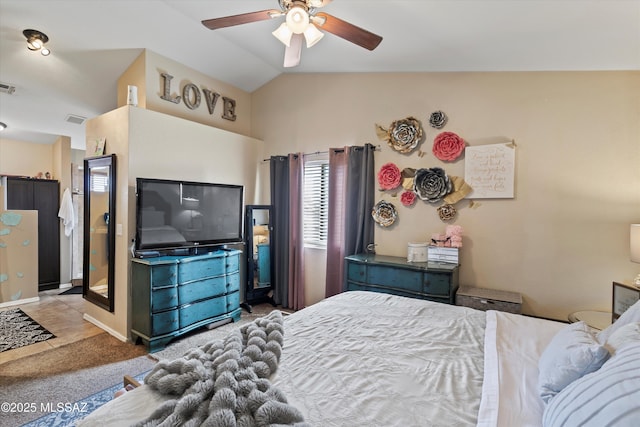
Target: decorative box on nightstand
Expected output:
[489,299]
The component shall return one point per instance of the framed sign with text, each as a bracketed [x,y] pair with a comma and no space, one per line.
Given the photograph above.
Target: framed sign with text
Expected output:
[490,171]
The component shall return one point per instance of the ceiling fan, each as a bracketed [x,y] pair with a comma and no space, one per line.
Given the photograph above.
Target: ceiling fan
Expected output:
[302,22]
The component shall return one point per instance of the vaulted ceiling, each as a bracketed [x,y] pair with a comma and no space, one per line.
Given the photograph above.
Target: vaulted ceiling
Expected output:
[94,41]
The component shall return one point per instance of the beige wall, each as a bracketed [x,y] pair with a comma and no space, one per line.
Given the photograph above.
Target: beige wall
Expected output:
[25,158]
[564,237]
[149,144]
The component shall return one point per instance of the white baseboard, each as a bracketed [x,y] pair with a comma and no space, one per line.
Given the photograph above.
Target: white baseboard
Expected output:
[19,301]
[65,285]
[101,325]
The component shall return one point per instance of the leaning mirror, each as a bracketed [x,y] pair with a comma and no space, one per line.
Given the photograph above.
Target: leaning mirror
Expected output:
[99,230]
[258,232]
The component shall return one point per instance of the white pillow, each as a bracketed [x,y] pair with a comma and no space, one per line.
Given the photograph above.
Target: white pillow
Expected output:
[608,397]
[622,336]
[631,315]
[572,353]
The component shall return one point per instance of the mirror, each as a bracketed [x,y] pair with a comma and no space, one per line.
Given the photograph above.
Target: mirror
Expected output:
[258,231]
[99,230]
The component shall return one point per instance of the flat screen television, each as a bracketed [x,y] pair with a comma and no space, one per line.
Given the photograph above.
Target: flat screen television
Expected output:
[182,214]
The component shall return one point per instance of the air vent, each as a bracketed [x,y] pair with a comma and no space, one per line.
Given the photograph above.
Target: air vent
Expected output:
[76,120]
[7,88]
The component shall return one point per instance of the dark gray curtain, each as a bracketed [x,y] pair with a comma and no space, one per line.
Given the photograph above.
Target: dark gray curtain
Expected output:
[286,195]
[359,224]
[279,187]
[351,198]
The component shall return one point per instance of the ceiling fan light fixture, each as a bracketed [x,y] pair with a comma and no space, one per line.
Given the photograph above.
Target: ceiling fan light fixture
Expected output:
[312,35]
[284,34]
[34,44]
[297,19]
[36,41]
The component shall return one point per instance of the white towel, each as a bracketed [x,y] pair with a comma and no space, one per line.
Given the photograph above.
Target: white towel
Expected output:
[66,212]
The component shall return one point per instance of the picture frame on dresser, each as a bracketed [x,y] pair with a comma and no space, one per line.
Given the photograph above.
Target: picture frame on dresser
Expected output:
[624,296]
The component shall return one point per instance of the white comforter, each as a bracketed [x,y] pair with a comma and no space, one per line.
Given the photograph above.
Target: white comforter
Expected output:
[366,359]
[363,359]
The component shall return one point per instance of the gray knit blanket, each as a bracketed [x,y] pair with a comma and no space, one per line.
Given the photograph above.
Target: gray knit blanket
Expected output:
[225,383]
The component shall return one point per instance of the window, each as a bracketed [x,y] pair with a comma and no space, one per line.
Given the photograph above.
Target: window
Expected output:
[99,182]
[315,201]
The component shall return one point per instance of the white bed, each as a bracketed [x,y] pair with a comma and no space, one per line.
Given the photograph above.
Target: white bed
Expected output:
[367,359]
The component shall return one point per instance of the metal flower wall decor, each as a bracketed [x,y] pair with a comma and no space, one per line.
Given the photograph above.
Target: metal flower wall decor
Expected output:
[437,119]
[431,185]
[384,213]
[403,135]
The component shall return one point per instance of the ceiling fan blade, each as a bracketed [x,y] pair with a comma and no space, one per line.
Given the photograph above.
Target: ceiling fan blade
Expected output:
[243,18]
[293,51]
[347,31]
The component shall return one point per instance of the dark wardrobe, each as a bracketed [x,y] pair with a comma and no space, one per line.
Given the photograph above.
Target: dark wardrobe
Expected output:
[42,195]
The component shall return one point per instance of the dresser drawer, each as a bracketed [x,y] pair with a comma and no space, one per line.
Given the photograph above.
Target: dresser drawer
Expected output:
[395,278]
[202,289]
[201,310]
[164,322]
[163,298]
[194,269]
[233,282]
[232,264]
[164,275]
[356,272]
[233,301]
[437,284]
[353,286]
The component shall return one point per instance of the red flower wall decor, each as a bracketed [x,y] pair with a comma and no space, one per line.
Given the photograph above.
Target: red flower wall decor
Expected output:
[448,146]
[389,176]
[408,198]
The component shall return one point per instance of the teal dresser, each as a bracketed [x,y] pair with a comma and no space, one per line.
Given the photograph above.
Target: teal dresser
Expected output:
[172,295]
[394,275]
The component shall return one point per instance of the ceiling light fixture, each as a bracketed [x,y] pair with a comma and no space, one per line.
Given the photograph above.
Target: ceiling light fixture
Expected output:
[3,126]
[298,21]
[36,41]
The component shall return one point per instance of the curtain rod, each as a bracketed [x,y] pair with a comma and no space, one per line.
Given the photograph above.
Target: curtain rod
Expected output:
[339,150]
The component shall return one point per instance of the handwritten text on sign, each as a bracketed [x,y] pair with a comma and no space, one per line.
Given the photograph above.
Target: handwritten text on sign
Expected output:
[490,170]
